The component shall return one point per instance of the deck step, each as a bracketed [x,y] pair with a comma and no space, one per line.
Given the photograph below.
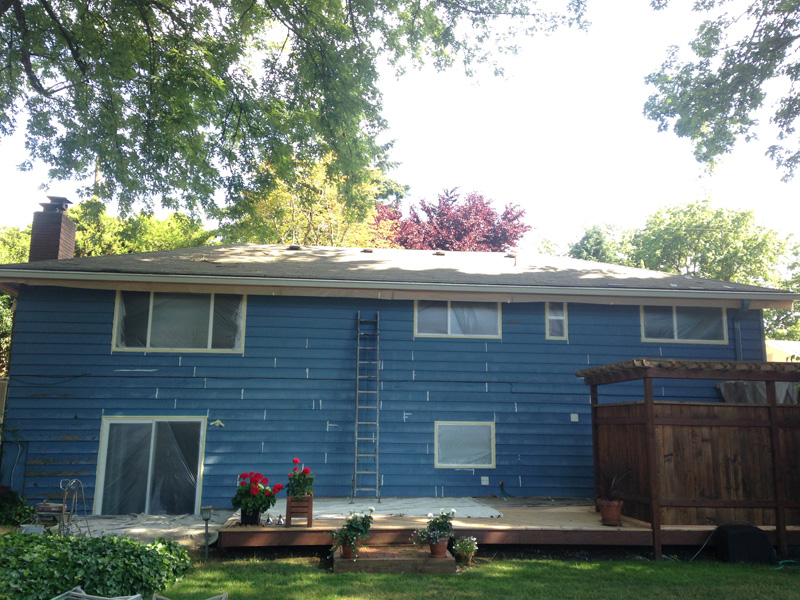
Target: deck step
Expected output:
[394,559]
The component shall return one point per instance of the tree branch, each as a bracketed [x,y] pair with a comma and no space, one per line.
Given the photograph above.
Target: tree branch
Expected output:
[25,52]
[73,45]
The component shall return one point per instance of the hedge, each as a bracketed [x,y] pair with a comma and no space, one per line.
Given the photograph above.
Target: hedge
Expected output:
[39,567]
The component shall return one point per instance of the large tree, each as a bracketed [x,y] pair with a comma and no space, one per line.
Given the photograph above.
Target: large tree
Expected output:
[311,209]
[696,239]
[173,99]
[599,244]
[471,224]
[739,54]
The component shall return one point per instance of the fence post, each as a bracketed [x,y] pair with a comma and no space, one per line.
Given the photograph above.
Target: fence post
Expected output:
[777,477]
[652,466]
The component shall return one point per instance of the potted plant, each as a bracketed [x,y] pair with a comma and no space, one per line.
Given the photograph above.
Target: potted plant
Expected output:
[608,502]
[465,548]
[348,536]
[253,496]
[300,494]
[437,533]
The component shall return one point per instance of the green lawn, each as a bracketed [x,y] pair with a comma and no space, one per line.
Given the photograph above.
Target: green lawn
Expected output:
[303,579]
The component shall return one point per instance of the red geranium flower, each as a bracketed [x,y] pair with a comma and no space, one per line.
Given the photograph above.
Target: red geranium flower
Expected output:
[295,469]
[306,471]
[254,490]
[278,487]
[242,483]
[243,476]
[296,461]
[252,474]
[259,476]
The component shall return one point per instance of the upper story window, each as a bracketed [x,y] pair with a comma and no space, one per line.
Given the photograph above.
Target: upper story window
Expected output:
[684,324]
[556,319]
[178,321]
[457,319]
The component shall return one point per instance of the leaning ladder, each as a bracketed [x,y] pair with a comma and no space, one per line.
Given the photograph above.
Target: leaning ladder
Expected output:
[366,472]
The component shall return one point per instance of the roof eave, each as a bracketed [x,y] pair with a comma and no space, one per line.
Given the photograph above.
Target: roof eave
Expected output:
[106,280]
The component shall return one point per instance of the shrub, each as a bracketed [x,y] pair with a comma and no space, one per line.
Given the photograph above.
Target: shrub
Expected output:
[13,510]
[34,567]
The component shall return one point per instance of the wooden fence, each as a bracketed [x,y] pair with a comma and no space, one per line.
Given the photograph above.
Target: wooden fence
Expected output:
[692,463]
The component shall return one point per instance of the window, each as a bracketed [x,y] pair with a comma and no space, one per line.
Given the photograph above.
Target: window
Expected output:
[556,318]
[457,319]
[465,445]
[684,324]
[177,321]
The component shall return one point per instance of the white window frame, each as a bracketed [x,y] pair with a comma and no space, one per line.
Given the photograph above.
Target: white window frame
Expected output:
[675,339]
[103,449]
[147,348]
[459,335]
[549,319]
[439,465]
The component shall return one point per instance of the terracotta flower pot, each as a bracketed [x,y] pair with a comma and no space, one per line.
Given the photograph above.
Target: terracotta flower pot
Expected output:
[348,551]
[439,549]
[465,557]
[610,512]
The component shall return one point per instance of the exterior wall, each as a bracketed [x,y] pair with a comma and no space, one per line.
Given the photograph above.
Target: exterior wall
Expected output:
[292,393]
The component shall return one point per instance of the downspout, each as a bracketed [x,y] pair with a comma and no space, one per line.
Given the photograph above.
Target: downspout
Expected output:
[737,328]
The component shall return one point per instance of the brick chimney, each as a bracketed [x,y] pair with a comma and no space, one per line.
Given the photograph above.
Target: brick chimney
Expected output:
[52,234]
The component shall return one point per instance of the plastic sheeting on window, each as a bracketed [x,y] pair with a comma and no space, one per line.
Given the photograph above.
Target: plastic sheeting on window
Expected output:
[432,317]
[684,323]
[126,467]
[473,318]
[134,310]
[556,320]
[227,330]
[151,467]
[659,323]
[464,445]
[699,323]
[180,321]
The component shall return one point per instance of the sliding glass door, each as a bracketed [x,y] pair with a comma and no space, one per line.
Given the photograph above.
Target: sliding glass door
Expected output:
[149,465]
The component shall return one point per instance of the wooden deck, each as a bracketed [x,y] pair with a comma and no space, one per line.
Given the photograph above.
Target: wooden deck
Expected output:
[523,522]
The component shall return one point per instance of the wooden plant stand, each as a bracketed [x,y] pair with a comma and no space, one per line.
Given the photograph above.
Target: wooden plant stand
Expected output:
[299,509]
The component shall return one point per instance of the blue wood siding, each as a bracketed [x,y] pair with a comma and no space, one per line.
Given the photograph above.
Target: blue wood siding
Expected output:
[292,391]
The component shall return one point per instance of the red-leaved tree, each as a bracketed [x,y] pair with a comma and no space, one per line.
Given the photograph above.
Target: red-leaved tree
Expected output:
[471,224]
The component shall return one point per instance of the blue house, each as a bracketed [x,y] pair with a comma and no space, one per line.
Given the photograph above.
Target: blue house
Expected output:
[157,378]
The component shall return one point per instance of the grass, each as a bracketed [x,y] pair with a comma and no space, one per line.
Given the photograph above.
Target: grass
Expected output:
[304,579]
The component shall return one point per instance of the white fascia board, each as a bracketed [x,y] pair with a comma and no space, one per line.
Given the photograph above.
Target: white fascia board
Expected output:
[113,280]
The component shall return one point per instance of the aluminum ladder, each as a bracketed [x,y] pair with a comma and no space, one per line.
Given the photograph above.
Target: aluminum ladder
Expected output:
[366,459]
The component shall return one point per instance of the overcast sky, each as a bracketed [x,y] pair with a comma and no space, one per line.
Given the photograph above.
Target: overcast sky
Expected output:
[562,135]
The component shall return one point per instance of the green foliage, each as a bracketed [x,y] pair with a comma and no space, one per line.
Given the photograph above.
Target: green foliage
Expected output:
[785,324]
[98,234]
[172,100]
[439,527]
[695,239]
[598,244]
[14,246]
[13,509]
[43,566]
[355,529]
[311,209]
[713,100]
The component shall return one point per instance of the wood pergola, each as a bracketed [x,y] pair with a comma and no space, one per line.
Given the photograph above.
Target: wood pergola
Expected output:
[700,463]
